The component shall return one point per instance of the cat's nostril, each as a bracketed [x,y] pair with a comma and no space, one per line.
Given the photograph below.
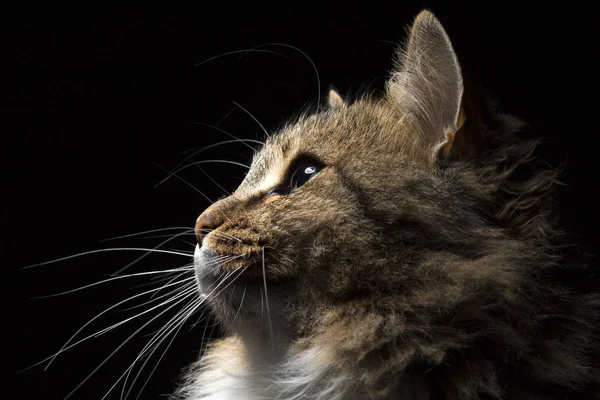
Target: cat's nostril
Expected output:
[204,224]
[211,218]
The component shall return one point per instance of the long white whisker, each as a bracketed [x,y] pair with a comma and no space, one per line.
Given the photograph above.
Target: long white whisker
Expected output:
[190,232]
[160,358]
[158,337]
[216,260]
[189,288]
[120,346]
[157,362]
[244,51]
[150,231]
[172,173]
[224,117]
[210,146]
[66,346]
[184,269]
[158,279]
[198,320]
[215,126]
[241,303]
[165,330]
[185,290]
[236,140]
[148,253]
[239,271]
[306,56]
[222,234]
[220,187]
[266,296]
[213,181]
[107,250]
[254,118]
[183,283]
[262,303]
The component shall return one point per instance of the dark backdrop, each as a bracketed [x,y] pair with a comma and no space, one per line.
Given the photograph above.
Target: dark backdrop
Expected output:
[105,99]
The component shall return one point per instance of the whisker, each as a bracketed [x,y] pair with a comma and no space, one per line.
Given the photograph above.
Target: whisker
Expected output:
[145,255]
[158,279]
[119,347]
[158,338]
[186,290]
[222,234]
[196,163]
[210,146]
[68,344]
[209,294]
[150,231]
[162,355]
[107,250]
[241,303]
[244,51]
[189,184]
[213,181]
[306,56]
[240,272]
[224,117]
[221,187]
[198,320]
[262,303]
[189,288]
[190,232]
[254,118]
[235,140]
[220,259]
[185,269]
[267,297]
[212,327]
[183,283]
[157,362]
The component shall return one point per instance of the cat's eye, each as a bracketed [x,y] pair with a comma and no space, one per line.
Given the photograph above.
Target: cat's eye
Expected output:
[300,172]
[303,173]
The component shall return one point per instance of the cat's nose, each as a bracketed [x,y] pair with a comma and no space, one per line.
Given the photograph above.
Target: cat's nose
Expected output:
[210,220]
[204,224]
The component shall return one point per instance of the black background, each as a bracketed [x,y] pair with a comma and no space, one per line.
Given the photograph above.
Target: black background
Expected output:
[104,98]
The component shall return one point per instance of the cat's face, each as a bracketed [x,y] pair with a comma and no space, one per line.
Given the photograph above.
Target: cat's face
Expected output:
[331,202]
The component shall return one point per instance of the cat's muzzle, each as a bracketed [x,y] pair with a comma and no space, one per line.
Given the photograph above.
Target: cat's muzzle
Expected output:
[207,268]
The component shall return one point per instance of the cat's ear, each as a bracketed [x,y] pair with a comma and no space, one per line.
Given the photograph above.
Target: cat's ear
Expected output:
[427,82]
[335,100]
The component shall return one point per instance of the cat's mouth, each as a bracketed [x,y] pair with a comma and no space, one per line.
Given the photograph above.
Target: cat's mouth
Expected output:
[234,284]
[217,272]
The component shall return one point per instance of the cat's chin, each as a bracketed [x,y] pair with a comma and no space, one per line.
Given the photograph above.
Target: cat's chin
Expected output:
[233,287]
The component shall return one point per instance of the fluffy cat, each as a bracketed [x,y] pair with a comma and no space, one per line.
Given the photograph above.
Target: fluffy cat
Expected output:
[395,248]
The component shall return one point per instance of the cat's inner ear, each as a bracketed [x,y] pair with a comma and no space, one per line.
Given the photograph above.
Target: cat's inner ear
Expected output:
[427,82]
[335,100]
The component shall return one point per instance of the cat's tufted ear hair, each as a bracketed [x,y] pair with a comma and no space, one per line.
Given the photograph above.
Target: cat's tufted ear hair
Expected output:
[335,100]
[427,82]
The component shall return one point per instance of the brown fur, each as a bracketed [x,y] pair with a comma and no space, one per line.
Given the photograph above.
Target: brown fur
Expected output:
[416,277]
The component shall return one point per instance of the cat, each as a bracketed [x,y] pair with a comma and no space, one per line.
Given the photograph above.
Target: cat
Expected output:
[400,247]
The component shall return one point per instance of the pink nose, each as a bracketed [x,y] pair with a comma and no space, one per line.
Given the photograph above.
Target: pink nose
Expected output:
[204,224]
[211,218]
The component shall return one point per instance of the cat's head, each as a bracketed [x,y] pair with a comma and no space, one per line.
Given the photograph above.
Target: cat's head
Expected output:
[358,203]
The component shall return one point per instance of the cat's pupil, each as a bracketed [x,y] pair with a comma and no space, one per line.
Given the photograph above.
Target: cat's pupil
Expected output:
[302,175]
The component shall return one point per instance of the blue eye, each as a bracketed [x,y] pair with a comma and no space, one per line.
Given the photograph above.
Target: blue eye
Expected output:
[303,174]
